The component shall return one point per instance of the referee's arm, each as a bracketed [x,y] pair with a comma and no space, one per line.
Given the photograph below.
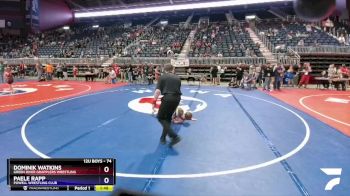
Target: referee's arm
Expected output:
[157,92]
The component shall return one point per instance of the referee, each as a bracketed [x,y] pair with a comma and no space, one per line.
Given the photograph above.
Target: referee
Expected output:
[169,86]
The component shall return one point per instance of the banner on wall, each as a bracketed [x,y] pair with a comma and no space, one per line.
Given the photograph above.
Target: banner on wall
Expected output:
[180,62]
[33,14]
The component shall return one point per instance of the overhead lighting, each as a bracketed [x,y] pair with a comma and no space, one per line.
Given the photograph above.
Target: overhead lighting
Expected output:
[172,8]
[95,26]
[250,17]
[66,27]
[164,22]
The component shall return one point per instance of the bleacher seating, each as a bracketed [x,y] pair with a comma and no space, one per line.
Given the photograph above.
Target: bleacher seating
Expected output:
[221,40]
[158,40]
[285,34]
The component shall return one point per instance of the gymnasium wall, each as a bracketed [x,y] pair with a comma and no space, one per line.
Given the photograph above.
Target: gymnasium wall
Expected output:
[13,11]
[54,13]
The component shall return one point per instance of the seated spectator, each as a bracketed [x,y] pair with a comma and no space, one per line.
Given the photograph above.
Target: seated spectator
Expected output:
[301,42]
[344,71]
[111,78]
[341,39]
[325,83]
[247,80]
[233,83]
[338,83]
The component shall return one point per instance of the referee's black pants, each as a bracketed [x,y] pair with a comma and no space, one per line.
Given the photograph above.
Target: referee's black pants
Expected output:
[165,113]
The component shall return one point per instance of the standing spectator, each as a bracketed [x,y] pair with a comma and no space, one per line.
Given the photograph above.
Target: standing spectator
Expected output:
[211,76]
[239,75]
[65,72]
[278,72]
[298,73]
[143,74]
[9,78]
[116,69]
[75,72]
[150,75]
[22,70]
[122,75]
[221,73]
[189,73]
[325,83]
[105,72]
[157,73]
[258,75]
[2,68]
[290,76]
[135,75]
[49,71]
[214,74]
[101,73]
[111,78]
[130,74]
[88,74]
[267,77]
[305,78]
[39,70]
[59,71]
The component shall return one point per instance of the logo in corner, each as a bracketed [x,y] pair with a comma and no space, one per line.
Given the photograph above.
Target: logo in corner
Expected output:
[335,181]
[144,104]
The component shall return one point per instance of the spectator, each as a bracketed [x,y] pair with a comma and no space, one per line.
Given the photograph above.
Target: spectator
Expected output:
[75,72]
[268,72]
[65,72]
[49,71]
[305,78]
[344,71]
[239,75]
[341,39]
[111,78]
[39,71]
[130,73]
[278,72]
[337,83]
[301,42]
[9,78]
[2,69]
[214,73]
[59,72]
[22,70]
[289,76]
[247,80]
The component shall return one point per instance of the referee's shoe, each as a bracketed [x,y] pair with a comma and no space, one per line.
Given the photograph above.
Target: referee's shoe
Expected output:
[175,141]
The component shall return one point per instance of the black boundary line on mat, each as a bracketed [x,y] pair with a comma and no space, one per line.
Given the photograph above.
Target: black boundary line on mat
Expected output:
[164,155]
[2,179]
[302,189]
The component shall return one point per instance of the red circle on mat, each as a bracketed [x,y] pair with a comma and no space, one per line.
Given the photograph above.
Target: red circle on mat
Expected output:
[334,106]
[45,92]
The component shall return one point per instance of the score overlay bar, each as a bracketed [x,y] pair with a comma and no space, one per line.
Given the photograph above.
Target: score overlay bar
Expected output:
[88,174]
